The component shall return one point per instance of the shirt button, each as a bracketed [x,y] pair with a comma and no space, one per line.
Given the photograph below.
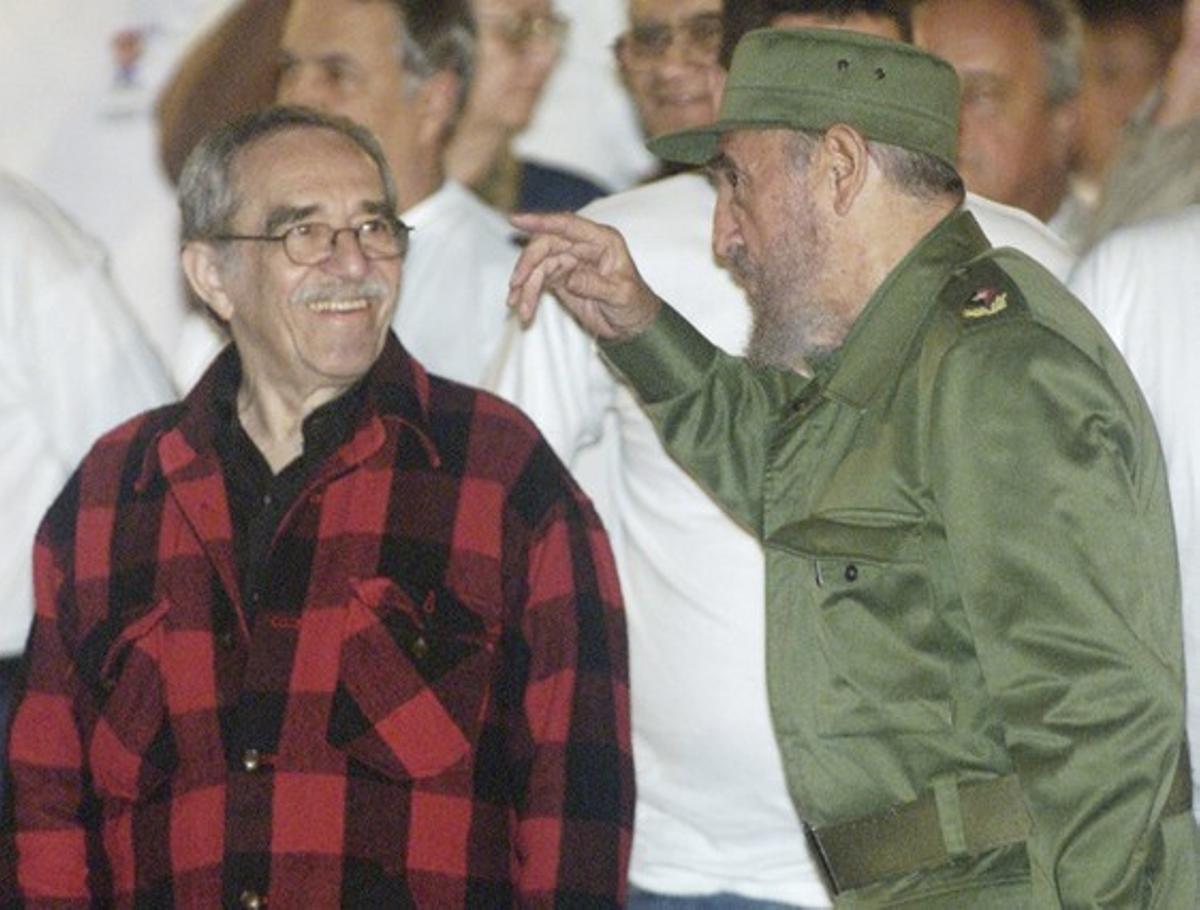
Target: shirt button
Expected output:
[851,572]
[251,760]
[252,900]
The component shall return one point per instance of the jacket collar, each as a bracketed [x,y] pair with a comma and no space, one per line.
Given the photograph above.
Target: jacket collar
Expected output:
[880,339]
[396,394]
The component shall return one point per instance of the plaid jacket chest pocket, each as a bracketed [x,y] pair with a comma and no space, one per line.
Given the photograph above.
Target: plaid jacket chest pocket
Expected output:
[414,680]
[130,749]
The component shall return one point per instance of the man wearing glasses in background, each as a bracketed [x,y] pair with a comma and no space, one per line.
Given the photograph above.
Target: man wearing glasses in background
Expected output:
[331,631]
[520,42]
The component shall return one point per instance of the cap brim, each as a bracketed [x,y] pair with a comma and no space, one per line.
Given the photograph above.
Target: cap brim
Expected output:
[694,146]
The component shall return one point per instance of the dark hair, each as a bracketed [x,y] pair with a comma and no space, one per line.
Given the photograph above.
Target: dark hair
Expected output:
[434,36]
[741,16]
[208,199]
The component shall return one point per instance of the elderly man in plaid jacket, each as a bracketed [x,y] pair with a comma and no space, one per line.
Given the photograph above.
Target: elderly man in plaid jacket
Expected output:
[331,631]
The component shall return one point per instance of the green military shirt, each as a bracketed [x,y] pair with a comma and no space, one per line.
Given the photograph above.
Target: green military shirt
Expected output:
[971,574]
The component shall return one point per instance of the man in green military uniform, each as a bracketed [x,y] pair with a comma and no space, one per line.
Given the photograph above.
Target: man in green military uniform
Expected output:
[974,649]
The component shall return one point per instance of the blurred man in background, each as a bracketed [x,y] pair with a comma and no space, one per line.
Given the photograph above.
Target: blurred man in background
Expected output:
[1019,62]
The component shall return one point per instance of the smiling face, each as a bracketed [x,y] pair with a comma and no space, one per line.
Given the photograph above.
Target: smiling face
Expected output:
[303,331]
[679,88]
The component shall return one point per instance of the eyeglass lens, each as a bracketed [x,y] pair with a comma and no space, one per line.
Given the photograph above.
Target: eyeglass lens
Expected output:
[700,35]
[518,31]
[314,242]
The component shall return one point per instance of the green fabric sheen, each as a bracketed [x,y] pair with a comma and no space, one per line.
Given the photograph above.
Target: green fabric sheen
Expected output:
[970,571]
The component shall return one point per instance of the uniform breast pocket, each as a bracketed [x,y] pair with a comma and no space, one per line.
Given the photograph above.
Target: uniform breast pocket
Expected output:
[130,749]
[877,629]
[413,683]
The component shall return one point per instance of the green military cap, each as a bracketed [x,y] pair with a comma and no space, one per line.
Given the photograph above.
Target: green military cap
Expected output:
[810,79]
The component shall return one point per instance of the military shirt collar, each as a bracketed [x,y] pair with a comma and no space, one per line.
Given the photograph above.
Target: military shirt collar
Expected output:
[879,340]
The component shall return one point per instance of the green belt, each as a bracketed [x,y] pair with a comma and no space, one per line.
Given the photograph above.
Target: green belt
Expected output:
[908,837]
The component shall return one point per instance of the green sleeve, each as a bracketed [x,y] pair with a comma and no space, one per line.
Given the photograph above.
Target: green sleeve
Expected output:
[712,411]
[1052,490]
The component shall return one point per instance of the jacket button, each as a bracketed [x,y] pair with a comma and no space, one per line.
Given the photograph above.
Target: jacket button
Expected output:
[252,900]
[419,647]
[227,640]
[251,760]
[851,572]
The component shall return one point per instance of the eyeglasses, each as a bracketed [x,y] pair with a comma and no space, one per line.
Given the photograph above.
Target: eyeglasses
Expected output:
[645,44]
[520,30]
[312,242]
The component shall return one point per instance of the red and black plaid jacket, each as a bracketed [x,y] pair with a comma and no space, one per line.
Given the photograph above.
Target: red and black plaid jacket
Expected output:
[431,709]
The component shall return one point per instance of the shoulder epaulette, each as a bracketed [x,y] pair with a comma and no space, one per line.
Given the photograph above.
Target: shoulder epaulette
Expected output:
[982,292]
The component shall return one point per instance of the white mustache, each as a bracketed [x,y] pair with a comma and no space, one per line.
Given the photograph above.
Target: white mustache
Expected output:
[374,289]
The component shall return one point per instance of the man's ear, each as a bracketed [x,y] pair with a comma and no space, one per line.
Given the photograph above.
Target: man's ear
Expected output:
[438,97]
[845,159]
[203,267]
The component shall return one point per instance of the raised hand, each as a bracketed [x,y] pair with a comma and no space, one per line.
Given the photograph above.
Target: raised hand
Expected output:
[588,268]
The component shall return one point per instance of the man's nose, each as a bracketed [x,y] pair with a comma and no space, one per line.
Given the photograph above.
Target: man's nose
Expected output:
[725,232]
[347,257]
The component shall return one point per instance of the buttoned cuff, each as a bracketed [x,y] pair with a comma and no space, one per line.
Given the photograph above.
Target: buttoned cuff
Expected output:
[668,359]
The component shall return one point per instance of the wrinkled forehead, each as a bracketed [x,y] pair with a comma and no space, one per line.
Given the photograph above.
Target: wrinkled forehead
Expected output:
[309,167]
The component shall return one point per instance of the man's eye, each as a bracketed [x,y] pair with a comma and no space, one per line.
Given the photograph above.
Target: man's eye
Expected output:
[338,72]
[985,93]
[650,39]
[705,31]
[307,229]
[373,226]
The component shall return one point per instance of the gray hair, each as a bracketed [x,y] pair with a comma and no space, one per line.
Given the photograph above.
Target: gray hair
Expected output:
[208,199]
[1060,30]
[917,174]
[434,36]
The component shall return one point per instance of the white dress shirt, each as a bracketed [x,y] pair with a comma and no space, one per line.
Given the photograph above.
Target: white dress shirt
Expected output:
[1143,284]
[1006,225]
[452,312]
[713,811]
[73,363]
